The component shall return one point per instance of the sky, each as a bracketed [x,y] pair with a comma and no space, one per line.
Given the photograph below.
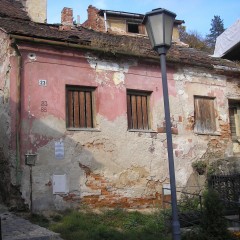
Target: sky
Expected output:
[197,14]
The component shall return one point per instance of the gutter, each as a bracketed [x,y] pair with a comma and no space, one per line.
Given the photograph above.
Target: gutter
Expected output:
[105,21]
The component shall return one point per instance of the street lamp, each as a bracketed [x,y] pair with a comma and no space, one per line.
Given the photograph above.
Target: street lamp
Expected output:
[159,24]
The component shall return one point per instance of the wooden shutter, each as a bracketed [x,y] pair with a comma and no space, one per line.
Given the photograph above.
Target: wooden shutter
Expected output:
[141,29]
[82,109]
[232,112]
[234,118]
[70,109]
[205,121]
[79,108]
[76,107]
[137,111]
[88,109]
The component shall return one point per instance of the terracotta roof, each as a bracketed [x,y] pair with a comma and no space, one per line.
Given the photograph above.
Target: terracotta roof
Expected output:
[138,46]
[12,9]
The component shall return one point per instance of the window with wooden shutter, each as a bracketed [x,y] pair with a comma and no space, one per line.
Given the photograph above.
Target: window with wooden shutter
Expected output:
[79,107]
[138,110]
[141,28]
[205,121]
[234,118]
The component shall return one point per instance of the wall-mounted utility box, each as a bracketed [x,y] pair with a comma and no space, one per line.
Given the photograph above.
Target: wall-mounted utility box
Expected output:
[60,185]
[30,159]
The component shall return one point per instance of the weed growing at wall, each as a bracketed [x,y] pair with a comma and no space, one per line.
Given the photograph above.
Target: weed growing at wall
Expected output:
[212,225]
[113,224]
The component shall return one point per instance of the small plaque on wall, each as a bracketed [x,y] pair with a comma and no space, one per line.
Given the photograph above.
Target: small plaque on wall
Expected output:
[59,150]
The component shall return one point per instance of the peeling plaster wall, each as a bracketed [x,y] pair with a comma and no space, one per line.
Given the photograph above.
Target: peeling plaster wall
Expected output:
[191,146]
[109,165]
[7,120]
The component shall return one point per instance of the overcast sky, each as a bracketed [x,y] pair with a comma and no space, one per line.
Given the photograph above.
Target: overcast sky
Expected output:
[197,14]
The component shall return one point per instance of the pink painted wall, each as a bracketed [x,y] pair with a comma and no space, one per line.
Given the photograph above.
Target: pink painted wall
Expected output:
[61,68]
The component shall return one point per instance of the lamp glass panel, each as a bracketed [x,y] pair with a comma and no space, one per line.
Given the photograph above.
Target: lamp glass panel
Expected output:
[156,22]
[149,31]
[169,21]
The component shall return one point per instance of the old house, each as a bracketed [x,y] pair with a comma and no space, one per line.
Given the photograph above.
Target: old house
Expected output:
[81,112]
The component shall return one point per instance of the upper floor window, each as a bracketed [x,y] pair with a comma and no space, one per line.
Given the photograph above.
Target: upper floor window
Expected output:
[79,107]
[133,28]
[205,120]
[138,110]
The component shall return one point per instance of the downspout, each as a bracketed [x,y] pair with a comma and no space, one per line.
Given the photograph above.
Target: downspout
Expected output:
[105,21]
[18,114]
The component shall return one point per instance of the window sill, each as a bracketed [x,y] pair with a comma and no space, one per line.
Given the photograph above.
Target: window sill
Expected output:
[84,129]
[210,134]
[141,130]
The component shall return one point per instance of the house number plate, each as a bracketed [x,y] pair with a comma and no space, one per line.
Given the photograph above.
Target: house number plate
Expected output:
[42,83]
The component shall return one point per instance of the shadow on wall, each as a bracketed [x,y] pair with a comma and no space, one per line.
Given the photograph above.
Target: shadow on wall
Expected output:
[60,160]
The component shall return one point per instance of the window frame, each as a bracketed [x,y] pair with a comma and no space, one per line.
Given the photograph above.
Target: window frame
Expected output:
[234,105]
[213,119]
[80,89]
[133,23]
[130,121]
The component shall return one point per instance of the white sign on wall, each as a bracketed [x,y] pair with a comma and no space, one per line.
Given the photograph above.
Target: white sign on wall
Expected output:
[166,189]
[42,83]
[59,150]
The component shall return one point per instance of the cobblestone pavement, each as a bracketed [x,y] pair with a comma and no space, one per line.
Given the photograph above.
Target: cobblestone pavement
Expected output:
[17,228]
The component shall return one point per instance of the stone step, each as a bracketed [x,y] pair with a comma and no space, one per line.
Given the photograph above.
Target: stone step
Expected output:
[16,228]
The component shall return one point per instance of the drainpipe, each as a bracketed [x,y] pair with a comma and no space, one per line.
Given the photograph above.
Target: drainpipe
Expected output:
[18,114]
[105,21]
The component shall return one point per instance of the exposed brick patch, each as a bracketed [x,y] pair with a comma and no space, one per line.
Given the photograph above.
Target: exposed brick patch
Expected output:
[49,184]
[178,153]
[85,169]
[175,146]
[225,130]
[174,131]
[180,119]
[163,130]
[108,197]
[190,123]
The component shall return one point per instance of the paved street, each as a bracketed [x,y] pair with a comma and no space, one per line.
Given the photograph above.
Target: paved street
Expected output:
[17,228]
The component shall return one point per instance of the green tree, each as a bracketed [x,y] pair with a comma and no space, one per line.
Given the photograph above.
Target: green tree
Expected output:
[193,39]
[217,27]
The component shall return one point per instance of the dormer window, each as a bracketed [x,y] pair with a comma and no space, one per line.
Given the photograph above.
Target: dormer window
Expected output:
[132,27]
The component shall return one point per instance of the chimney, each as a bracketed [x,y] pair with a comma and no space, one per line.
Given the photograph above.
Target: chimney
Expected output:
[67,17]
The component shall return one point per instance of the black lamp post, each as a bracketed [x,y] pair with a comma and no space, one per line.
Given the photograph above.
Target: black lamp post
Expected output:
[159,24]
